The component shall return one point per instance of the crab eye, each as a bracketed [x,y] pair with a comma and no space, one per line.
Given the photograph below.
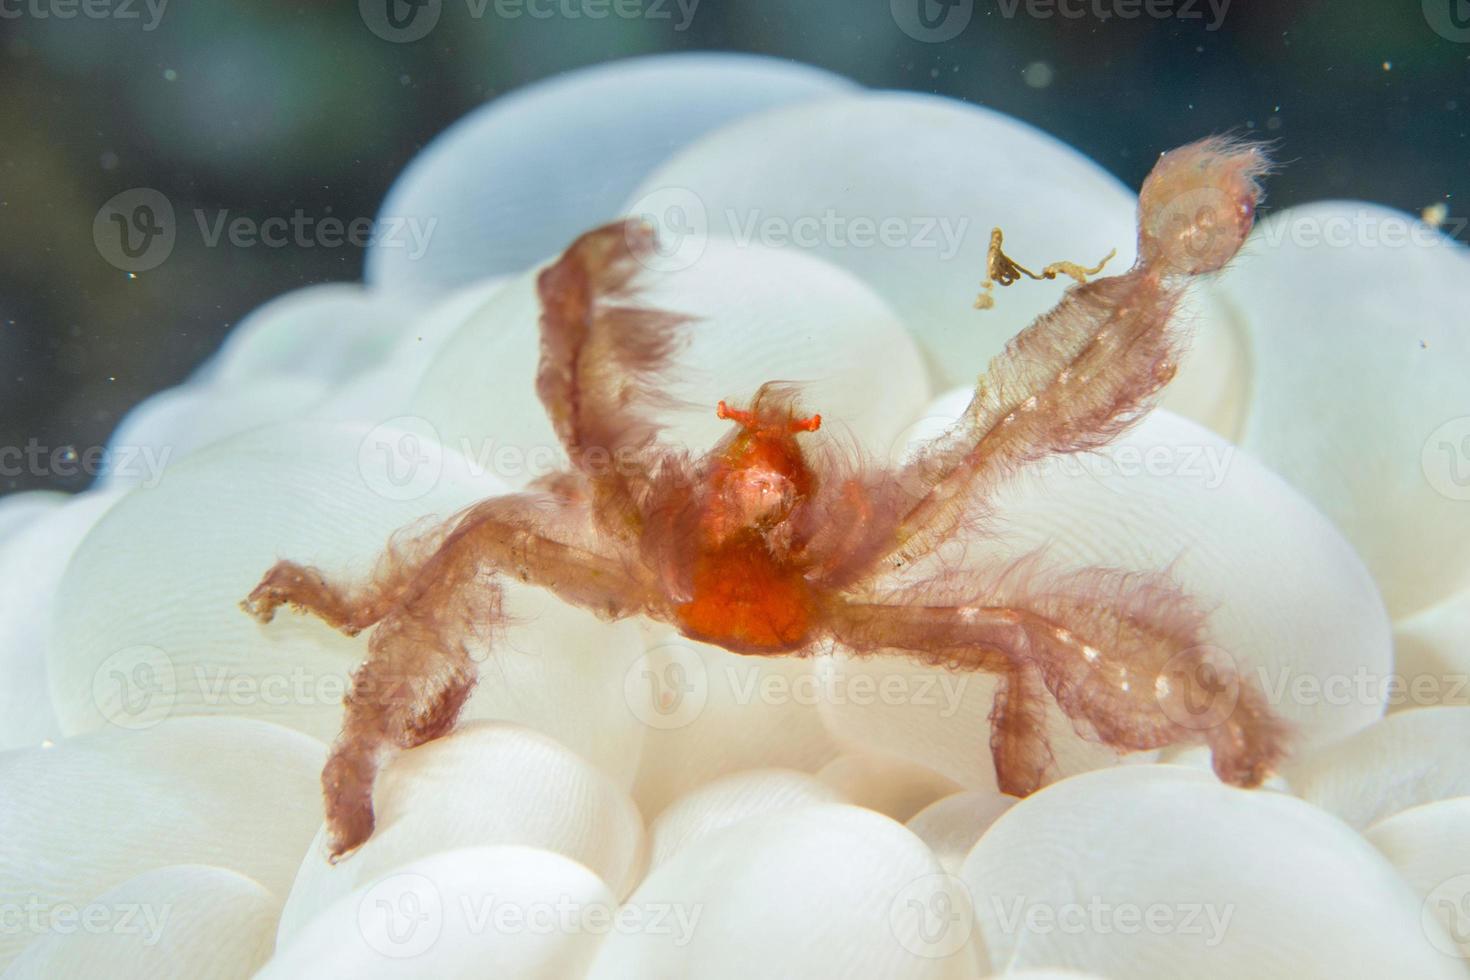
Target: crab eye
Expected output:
[723,411]
[749,420]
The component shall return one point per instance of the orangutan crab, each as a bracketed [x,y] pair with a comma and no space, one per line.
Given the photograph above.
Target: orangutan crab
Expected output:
[763,551]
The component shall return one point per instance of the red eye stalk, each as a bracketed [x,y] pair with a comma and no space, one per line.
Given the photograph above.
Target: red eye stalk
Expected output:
[745,418]
[751,421]
[811,424]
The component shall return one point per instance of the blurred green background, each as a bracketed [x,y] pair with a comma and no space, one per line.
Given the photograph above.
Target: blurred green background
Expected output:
[273,106]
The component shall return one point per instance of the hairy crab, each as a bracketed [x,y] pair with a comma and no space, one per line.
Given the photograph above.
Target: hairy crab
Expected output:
[766,548]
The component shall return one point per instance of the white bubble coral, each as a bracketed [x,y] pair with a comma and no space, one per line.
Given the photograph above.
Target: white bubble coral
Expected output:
[620,802]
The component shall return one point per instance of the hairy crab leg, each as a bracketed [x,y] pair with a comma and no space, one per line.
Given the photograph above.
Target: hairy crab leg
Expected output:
[1082,373]
[434,604]
[602,355]
[1122,655]
[1018,743]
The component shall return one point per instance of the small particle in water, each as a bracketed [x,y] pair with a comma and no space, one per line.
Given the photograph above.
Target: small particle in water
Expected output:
[1273,123]
[404,79]
[1038,74]
[169,75]
[108,160]
[1388,66]
[1435,214]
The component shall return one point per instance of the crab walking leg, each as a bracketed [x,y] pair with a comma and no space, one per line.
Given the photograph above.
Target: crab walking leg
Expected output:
[1018,743]
[1081,374]
[306,589]
[410,689]
[968,639]
[432,616]
[1122,656]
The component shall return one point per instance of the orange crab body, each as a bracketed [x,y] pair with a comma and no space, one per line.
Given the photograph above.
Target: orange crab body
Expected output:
[750,588]
[745,600]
